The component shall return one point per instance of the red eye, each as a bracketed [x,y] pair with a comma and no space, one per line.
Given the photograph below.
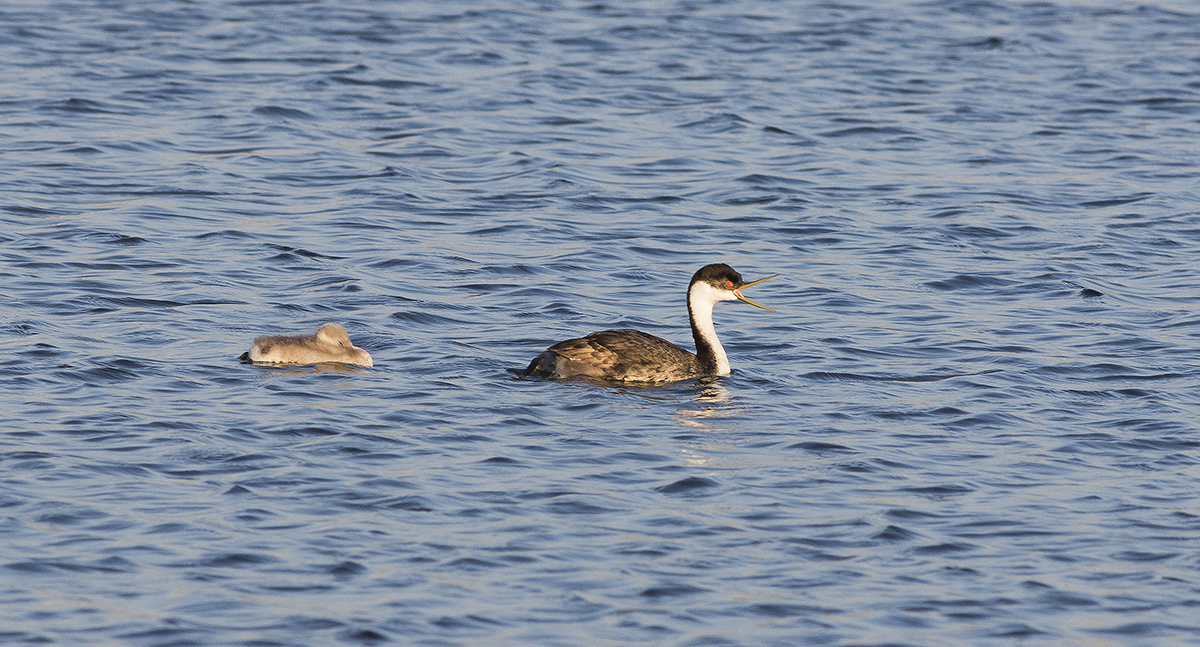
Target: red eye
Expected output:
[728,283]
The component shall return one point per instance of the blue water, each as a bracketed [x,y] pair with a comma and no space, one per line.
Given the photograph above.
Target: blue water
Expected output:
[973,419]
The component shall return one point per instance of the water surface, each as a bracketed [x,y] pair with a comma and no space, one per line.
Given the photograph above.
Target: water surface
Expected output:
[972,420]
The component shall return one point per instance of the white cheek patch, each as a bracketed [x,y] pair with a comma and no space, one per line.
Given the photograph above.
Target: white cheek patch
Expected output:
[707,293]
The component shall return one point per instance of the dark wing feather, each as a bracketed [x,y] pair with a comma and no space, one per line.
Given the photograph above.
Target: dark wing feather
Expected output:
[625,355]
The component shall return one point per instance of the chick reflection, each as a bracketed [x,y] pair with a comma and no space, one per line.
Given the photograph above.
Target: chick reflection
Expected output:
[317,368]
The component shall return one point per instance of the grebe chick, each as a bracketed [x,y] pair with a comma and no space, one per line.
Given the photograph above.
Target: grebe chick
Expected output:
[329,344]
[634,356]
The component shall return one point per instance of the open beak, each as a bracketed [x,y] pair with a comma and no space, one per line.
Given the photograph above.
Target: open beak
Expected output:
[738,292]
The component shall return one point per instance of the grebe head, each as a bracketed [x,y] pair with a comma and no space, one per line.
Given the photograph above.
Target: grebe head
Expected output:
[335,335]
[719,282]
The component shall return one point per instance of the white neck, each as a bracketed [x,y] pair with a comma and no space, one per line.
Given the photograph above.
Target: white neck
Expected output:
[701,299]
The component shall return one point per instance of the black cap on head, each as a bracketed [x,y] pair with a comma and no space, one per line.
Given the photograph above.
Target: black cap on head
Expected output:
[717,274]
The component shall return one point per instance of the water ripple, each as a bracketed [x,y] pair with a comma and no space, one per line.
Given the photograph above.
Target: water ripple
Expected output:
[970,420]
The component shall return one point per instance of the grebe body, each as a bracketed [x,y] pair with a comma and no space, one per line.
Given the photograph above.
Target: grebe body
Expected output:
[634,356]
[329,344]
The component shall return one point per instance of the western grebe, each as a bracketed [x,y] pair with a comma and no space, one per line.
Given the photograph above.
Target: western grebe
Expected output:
[329,344]
[634,356]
